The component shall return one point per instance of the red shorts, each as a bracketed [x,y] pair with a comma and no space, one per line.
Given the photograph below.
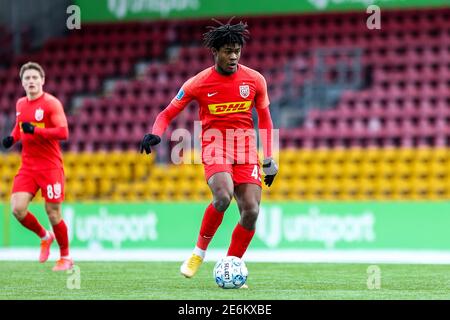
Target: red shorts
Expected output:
[51,183]
[240,173]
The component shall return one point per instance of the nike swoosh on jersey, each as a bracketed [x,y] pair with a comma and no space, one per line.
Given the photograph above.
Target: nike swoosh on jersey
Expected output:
[17,114]
[212,94]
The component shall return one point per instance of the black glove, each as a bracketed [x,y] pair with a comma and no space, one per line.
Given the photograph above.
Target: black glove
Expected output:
[8,142]
[148,141]
[27,127]
[270,169]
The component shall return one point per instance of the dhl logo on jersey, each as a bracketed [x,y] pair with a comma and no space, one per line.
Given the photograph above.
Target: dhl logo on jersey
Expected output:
[229,107]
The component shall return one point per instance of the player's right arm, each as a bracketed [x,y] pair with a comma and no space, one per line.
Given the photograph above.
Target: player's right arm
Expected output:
[14,137]
[165,117]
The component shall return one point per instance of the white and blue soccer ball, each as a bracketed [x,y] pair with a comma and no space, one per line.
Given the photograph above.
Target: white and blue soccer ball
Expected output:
[230,272]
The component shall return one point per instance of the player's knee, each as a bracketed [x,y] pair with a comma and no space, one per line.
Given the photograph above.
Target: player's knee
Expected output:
[54,216]
[19,211]
[222,200]
[249,216]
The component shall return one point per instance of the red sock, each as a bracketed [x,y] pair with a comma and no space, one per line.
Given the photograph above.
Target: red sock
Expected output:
[31,223]
[62,238]
[239,241]
[211,221]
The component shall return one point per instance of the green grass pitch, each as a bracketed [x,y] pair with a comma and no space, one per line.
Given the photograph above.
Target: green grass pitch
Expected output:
[267,281]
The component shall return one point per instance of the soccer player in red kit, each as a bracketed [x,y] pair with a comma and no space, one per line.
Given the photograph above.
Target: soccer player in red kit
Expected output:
[40,124]
[226,93]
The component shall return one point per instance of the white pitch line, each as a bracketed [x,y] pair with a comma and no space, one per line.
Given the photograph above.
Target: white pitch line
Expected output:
[303,256]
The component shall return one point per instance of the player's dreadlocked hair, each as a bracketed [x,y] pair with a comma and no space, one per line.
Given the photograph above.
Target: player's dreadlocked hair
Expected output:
[224,34]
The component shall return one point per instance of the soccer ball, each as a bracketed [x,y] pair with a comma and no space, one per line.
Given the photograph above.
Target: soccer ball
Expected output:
[230,272]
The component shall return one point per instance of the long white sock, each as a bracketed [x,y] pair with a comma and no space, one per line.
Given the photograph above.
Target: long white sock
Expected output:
[199,252]
[47,235]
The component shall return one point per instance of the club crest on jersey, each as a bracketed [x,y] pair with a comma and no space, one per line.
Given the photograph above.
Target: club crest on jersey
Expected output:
[244,91]
[39,114]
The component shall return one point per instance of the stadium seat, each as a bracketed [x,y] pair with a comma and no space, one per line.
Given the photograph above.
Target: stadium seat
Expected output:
[385,140]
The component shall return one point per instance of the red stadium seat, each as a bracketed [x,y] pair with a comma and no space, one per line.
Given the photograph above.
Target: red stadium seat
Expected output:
[407,63]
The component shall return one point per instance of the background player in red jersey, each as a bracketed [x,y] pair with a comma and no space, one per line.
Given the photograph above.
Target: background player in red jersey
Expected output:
[226,93]
[40,124]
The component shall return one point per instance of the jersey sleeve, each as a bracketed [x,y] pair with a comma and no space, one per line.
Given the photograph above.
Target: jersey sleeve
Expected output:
[265,130]
[164,118]
[59,129]
[185,95]
[261,97]
[16,130]
[58,117]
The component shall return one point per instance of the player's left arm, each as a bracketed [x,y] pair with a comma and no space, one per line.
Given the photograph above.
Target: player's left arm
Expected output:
[59,129]
[265,126]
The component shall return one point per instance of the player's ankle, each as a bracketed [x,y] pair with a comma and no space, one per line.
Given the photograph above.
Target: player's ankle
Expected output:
[199,252]
[47,235]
